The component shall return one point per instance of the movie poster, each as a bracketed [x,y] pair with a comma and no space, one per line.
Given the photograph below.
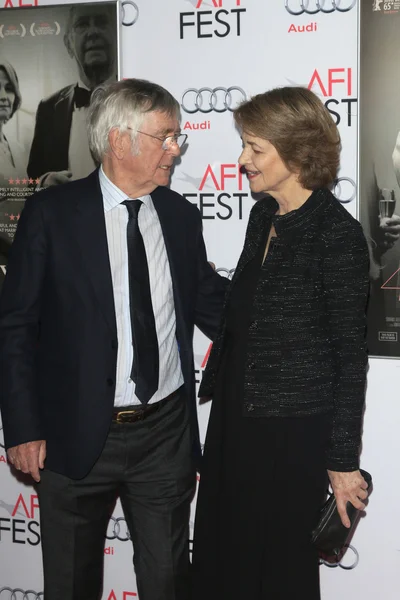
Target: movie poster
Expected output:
[51,58]
[379,168]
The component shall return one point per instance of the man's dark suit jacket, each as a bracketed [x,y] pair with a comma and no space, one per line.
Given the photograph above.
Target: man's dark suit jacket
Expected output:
[50,145]
[58,336]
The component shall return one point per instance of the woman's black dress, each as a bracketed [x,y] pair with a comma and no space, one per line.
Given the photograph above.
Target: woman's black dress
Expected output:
[263,481]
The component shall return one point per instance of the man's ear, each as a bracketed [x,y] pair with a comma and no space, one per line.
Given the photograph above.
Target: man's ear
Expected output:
[117,143]
[67,43]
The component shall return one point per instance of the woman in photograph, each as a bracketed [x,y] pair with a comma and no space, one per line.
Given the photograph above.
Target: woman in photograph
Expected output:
[287,369]
[12,156]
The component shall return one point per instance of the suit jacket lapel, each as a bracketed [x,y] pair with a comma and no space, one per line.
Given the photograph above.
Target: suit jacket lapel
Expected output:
[255,233]
[90,230]
[63,117]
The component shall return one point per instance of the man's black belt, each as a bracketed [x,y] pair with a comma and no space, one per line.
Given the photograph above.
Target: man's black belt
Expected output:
[139,412]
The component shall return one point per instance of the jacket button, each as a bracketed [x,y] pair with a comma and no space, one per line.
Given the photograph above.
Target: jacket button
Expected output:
[252,365]
[110,381]
[114,344]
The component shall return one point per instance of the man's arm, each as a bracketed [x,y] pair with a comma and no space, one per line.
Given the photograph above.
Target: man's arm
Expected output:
[211,292]
[19,328]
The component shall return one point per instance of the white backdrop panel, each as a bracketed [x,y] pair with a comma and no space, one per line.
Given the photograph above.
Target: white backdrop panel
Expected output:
[253,46]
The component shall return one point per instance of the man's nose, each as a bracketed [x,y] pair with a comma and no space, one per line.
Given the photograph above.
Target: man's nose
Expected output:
[175,150]
[93,27]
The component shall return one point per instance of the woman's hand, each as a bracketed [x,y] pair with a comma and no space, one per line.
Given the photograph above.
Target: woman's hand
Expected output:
[348,487]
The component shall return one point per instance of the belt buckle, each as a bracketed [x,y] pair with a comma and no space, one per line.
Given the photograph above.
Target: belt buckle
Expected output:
[120,419]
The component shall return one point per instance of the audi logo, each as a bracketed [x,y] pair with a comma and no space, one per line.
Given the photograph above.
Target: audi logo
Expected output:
[344,189]
[348,561]
[206,100]
[312,7]
[117,530]
[129,15]
[7,593]
[228,273]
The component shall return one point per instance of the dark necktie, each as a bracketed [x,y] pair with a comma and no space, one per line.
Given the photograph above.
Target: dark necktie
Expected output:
[81,96]
[145,366]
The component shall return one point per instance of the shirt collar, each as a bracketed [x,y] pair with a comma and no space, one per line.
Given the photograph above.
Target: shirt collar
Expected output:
[294,223]
[112,195]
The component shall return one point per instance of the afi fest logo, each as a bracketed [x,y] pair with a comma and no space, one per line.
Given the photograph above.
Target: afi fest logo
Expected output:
[18,4]
[314,7]
[331,83]
[201,361]
[218,203]
[115,596]
[212,18]
[21,523]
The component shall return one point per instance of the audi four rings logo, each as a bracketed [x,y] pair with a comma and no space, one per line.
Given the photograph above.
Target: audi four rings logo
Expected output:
[228,273]
[345,189]
[130,13]
[349,560]
[206,100]
[117,530]
[312,7]
[7,593]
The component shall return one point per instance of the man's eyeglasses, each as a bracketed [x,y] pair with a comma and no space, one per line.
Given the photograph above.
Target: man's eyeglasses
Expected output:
[168,142]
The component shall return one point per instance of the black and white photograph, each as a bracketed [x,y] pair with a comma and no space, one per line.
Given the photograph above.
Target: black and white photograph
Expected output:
[379,171]
[51,59]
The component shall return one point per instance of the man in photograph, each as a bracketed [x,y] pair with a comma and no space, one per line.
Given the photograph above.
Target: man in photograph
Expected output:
[60,151]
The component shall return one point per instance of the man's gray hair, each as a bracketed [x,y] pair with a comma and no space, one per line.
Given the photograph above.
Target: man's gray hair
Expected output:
[124,105]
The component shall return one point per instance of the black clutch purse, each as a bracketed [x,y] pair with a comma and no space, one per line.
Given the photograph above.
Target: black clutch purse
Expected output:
[330,535]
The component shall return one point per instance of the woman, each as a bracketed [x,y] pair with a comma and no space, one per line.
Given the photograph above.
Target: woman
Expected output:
[287,370]
[12,159]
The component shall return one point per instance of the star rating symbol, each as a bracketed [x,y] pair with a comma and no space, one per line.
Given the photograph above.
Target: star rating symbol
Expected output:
[11,181]
[17,181]
[12,217]
[30,180]
[24,181]
[37,181]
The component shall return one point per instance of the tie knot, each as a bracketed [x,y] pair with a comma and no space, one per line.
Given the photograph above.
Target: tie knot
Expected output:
[133,207]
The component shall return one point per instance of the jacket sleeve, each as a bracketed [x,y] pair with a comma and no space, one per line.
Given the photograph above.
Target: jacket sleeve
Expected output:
[37,155]
[210,291]
[19,328]
[346,284]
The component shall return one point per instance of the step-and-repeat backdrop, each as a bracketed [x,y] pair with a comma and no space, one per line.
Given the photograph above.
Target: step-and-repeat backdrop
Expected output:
[212,54]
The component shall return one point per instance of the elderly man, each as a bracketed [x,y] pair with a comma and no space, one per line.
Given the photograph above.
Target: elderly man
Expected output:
[106,279]
[59,149]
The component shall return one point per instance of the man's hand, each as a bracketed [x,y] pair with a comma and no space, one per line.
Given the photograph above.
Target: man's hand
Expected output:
[389,231]
[56,178]
[348,487]
[29,457]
